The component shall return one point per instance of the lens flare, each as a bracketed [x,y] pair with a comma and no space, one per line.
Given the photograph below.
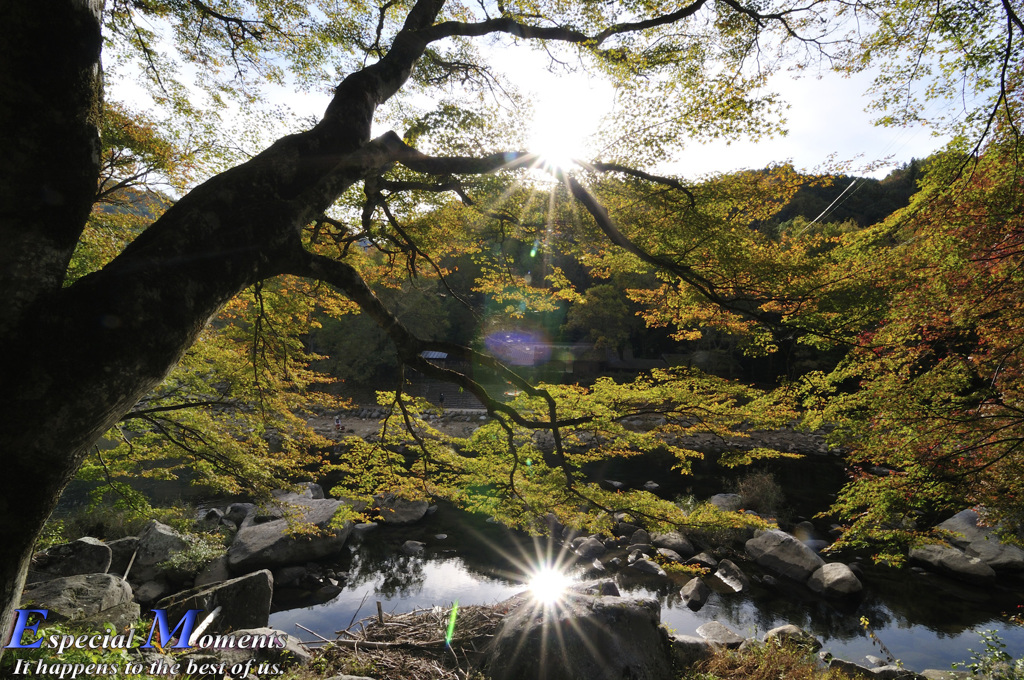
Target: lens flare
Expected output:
[451,624]
[548,585]
[519,347]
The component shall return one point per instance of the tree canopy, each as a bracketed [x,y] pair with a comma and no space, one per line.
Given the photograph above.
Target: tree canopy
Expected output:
[177,318]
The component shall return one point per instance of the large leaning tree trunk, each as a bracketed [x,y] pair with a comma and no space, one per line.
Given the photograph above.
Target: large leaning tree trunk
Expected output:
[76,357]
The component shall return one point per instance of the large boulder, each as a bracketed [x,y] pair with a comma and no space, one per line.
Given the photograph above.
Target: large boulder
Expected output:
[944,559]
[783,554]
[397,511]
[85,556]
[244,602]
[90,599]
[720,635]
[157,543]
[590,548]
[279,542]
[835,579]
[982,542]
[794,635]
[122,550]
[695,594]
[647,566]
[688,650]
[581,638]
[729,502]
[214,572]
[674,541]
[732,576]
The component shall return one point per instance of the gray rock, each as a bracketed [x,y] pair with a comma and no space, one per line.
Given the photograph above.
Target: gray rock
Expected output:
[286,577]
[729,502]
[326,592]
[151,591]
[732,576]
[413,548]
[835,579]
[214,572]
[598,638]
[92,599]
[651,486]
[237,512]
[950,561]
[121,552]
[590,548]
[893,672]
[396,511]
[85,556]
[689,650]
[312,490]
[720,635]
[157,544]
[640,537]
[851,669]
[938,674]
[695,594]
[795,635]
[600,587]
[648,567]
[783,554]
[272,544]
[674,541]
[982,542]
[244,602]
[626,529]
[670,555]
[364,528]
[703,560]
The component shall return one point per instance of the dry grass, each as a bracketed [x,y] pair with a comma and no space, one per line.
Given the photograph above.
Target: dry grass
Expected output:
[412,646]
[768,661]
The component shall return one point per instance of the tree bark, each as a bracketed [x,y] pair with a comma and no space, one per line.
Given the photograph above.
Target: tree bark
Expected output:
[73,360]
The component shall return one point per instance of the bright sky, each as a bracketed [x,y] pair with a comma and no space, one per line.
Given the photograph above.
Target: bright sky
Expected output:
[827,121]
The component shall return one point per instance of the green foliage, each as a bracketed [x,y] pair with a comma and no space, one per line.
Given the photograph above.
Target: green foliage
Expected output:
[505,470]
[604,315]
[934,424]
[202,549]
[761,493]
[993,661]
[110,521]
[111,658]
[923,305]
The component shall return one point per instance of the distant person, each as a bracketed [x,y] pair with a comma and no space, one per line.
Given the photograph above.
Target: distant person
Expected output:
[337,422]
[441,400]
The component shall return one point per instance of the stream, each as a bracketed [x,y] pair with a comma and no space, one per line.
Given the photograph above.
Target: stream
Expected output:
[926,621]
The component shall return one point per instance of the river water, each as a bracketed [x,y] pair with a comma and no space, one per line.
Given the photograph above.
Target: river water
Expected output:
[924,620]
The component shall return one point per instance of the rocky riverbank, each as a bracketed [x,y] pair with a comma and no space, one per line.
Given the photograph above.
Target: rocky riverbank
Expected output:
[90,582]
